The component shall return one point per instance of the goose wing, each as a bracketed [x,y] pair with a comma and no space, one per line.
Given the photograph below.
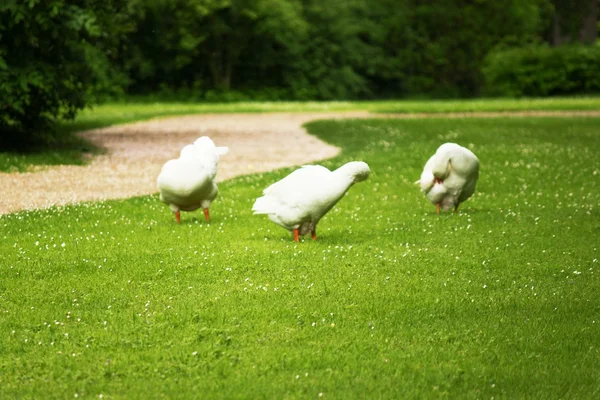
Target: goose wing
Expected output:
[295,191]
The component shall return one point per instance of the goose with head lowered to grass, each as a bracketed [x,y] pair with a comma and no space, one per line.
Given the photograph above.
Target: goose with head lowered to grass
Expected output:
[299,201]
[188,182]
[450,176]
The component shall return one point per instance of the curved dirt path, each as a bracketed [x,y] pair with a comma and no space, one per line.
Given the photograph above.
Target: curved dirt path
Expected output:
[136,152]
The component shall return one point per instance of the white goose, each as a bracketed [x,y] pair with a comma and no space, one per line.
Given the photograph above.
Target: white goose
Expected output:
[188,182]
[299,201]
[450,176]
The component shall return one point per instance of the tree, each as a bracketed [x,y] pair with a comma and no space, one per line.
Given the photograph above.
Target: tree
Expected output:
[55,57]
[310,49]
[443,44]
[209,43]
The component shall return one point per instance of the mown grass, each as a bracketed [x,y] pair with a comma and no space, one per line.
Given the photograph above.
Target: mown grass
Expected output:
[114,299]
[138,107]
[69,149]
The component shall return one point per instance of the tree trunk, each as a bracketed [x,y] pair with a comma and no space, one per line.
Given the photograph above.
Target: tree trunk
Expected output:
[221,67]
[215,68]
[589,25]
[557,37]
[226,83]
[574,21]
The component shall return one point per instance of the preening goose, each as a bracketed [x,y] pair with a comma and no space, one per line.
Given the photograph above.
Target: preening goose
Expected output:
[450,176]
[188,182]
[299,201]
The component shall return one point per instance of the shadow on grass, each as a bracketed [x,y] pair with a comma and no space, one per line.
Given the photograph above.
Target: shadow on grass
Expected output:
[62,147]
[65,148]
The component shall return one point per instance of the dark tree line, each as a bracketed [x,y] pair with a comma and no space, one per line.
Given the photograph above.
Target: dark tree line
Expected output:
[56,56]
[310,49]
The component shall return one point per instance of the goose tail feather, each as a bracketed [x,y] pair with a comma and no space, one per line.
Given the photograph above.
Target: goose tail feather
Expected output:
[264,205]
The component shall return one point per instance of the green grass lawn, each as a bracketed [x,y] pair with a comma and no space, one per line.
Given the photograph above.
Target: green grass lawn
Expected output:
[71,150]
[501,300]
[140,108]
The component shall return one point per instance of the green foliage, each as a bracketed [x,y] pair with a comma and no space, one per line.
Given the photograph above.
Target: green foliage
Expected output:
[342,49]
[309,49]
[204,45]
[543,71]
[440,46]
[54,59]
[391,302]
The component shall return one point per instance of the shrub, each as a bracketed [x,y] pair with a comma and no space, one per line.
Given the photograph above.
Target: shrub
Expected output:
[55,56]
[543,71]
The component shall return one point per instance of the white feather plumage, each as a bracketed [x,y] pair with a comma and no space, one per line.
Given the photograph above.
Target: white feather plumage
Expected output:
[450,176]
[302,198]
[188,182]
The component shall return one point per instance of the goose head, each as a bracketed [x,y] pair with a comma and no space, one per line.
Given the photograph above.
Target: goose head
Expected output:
[205,144]
[356,171]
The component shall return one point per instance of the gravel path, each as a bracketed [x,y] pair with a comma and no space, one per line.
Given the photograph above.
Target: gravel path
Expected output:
[136,152]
